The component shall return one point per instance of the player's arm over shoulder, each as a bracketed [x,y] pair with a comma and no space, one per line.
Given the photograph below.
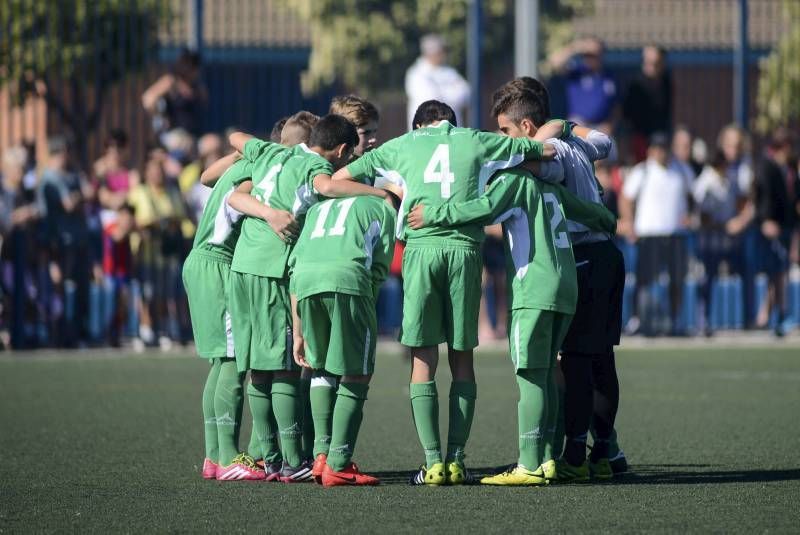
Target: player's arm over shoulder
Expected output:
[593,215]
[501,195]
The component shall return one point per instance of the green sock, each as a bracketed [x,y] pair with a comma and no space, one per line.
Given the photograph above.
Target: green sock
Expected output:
[264,436]
[554,427]
[228,403]
[286,404]
[347,416]
[209,417]
[425,408]
[531,416]
[308,421]
[462,410]
[323,398]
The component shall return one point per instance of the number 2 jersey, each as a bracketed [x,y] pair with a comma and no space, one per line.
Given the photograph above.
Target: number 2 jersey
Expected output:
[283,178]
[346,246]
[540,265]
[442,164]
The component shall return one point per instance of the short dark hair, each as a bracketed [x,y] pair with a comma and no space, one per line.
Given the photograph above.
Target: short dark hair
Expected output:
[277,128]
[331,131]
[518,103]
[431,111]
[117,137]
[536,87]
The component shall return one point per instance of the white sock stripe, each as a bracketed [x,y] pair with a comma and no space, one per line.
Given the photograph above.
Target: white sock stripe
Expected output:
[325,381]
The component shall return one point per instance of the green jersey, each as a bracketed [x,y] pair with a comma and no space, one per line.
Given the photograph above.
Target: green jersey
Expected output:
[539,261]
[218,228]
[346,246]
[283,178]
[442,164]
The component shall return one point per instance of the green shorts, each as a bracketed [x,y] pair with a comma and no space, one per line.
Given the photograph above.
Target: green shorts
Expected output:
[206,278]
[340,332]
[535,337]
[441,296]
[262,322]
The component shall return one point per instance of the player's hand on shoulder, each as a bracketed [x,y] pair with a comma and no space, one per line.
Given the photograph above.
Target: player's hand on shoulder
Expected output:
[416,218]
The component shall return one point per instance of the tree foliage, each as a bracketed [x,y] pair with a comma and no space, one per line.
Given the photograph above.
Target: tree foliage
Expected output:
[779,82]
[368,44]
[82,43]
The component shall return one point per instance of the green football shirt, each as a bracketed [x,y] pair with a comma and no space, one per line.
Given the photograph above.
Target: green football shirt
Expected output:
[218,228]
[442,164]
[539,262]
[283,178]
[346,246]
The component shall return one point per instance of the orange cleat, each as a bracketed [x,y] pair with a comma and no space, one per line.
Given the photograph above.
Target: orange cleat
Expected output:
[349,476]
[319,467]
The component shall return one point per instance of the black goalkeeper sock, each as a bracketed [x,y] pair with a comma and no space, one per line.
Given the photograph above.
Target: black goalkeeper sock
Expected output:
[578,400]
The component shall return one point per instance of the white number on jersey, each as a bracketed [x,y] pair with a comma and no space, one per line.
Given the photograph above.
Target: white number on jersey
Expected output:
[560,239]
[441,161]
[338,226]
[266,185]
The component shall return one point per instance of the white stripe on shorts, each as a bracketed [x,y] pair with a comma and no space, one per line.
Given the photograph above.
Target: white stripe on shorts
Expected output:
[367,340]
[516,344]
[229,336]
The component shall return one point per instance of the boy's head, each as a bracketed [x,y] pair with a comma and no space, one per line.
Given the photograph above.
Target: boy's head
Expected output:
[433,111]
[277,128]
[334,138]
[658,149]
[298,128]
[363,114]
[538,89]
[518,110]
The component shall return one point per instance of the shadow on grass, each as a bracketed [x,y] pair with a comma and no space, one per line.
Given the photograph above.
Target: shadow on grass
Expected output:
[645,474]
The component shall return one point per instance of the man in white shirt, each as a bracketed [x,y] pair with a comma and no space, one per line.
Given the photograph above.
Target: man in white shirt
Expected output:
[655,212]
[429,78]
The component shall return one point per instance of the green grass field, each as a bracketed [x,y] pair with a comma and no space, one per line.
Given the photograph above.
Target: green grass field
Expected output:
[114,444]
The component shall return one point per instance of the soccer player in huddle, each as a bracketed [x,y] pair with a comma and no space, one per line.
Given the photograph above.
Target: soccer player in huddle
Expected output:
[541,275]
[587,359]
[341,258]
[437,163]
[318,387]
[206,279]
[289,179]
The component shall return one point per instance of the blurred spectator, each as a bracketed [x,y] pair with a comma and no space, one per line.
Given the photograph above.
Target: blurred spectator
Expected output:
[648,102]
[431,78]
[681,160]
[61,194]
[722,206]
[18,213]
[209,149]
[591,91]
[117,269]
[604,174]
[176,99]
[493,312]
[655,213]
[159,249]
[775,196]
[114,177]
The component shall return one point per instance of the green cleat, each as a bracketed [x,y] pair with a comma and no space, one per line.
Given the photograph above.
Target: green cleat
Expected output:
[550,471]
[435,475]
[457,474]
[601,469]
[572,474]
[516,477]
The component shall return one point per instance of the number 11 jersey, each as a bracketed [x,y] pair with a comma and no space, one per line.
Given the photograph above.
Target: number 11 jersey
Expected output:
[435,165]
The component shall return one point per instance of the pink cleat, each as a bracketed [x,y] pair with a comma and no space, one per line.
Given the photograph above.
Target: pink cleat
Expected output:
[209,469]
[243,468]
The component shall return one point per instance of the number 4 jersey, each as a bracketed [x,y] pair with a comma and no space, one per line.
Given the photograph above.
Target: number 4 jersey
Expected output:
[539,261]
[346,247]
[442,164]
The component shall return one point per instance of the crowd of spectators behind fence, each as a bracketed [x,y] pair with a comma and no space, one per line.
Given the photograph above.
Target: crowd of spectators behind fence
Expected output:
[94,257]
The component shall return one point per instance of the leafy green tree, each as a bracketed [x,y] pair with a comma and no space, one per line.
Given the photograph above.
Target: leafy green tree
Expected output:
[67,50]
[779,82]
